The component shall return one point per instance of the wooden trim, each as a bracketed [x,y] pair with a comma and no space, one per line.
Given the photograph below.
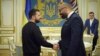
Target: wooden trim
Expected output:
[6,35]
[10,28]
[0,13]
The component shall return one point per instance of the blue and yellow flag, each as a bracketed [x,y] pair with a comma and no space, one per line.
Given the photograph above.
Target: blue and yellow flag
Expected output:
[49,11]
[29,4]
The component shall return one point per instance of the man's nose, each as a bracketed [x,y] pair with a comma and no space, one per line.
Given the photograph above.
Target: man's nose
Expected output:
[41,18]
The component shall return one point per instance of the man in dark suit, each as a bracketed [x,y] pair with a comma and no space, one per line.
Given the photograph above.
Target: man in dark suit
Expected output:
[92,28]
[32,38]
[71,43]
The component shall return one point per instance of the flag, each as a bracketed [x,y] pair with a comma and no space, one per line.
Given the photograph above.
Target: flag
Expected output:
[45,6]
[74,4]
[29,4]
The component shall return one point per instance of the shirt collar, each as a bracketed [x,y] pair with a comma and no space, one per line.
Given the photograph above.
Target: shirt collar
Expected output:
[92,19]
[69,15]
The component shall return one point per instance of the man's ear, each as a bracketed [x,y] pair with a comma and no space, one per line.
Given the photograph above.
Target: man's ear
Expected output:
[33,16]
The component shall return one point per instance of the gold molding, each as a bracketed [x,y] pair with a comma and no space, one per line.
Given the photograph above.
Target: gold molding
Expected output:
[87,8]
[98,10]
[79,8]
[6,35]
[98,15]
[51,30]
[11,29]
[0,13]
[23,12]
[93,0]
[7,32]
[5,39]
[12,17]
[97,4]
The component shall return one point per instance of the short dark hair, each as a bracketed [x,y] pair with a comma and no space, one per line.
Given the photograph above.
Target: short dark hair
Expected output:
[91,12]
[32,12]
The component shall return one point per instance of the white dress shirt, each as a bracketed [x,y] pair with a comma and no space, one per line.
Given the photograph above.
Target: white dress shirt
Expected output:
[69,15]
[91,21]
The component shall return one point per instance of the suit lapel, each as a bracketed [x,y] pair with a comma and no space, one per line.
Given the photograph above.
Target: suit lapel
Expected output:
[66,22]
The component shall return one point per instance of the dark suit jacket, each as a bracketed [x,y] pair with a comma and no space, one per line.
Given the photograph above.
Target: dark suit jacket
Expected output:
[71,42]
[93,27]
[32,39]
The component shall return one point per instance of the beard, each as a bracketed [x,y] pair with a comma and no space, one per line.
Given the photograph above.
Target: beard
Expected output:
[37,21]
[63,15]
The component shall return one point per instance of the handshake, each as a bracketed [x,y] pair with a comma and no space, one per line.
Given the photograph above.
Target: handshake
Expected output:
[55,46]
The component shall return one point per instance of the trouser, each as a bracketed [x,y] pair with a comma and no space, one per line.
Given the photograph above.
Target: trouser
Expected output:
[63,52]
[94,42]
[59,53]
